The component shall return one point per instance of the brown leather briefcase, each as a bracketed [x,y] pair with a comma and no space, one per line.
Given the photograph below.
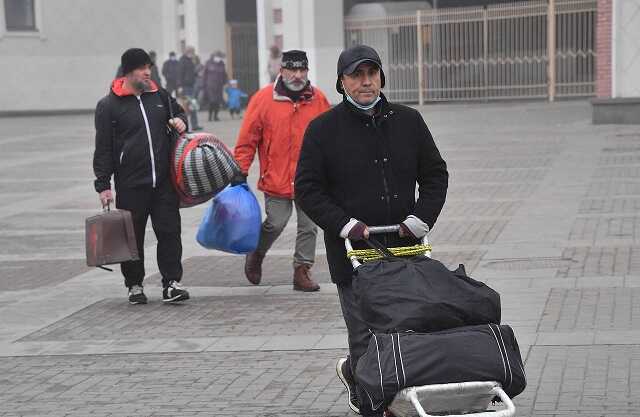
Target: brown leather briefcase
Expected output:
[110,238]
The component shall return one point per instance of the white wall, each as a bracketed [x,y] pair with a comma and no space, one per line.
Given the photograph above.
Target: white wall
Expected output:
[264,15]
[317,27]
[626,48]
[207,18]
[71,61]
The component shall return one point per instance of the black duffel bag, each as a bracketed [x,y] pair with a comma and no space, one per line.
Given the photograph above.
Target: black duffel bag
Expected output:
[421,294]
[394,361]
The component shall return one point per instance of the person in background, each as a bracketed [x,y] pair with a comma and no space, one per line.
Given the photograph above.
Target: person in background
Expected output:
[133,146]
[215,77]
[274,125]
[187,80]
[188,103]
[234,98]
[170,73]
[198,90]
[155,76]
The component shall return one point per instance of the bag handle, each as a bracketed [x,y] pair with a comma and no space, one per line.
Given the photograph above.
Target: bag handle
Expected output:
[378,246]
[174,132]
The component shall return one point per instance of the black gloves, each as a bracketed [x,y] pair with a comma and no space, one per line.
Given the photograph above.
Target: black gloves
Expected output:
[238,179]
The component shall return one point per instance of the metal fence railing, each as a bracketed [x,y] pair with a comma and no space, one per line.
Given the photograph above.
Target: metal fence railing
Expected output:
[485,53]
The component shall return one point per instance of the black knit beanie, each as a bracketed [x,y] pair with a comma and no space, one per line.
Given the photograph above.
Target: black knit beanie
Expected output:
[134,58]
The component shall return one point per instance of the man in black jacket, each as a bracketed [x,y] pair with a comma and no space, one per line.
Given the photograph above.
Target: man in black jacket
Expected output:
[133,145]
[170,70]
[187,74]
[359,166]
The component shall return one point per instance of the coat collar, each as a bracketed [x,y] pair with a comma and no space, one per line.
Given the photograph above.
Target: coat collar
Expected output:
[382,110]
[119,87]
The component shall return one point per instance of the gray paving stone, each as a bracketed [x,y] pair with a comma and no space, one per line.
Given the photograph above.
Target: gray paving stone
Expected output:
[600,261]
[591,309]
[610,205]
[542,204]
[23,275]
[263,315]
[582,381]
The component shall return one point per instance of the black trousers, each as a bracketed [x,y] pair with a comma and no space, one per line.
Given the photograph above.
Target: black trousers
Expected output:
[162,205]
[359,335]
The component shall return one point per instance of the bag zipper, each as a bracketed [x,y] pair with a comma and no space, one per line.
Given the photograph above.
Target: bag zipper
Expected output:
[375,338]
[506,356]
[499,350]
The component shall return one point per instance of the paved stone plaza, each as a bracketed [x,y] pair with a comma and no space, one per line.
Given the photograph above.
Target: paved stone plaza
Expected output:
[542,205]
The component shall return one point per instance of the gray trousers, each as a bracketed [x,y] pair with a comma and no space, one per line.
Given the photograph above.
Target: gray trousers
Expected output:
[278,214]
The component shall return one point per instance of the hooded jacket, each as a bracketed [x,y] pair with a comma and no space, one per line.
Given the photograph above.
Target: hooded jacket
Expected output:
[274,126]
[366,167]
[132,140]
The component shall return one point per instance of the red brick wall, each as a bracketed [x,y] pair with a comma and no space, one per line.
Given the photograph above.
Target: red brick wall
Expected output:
[603,49]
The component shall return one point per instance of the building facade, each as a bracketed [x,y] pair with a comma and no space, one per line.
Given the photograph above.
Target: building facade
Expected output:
[618,65]
[60,56]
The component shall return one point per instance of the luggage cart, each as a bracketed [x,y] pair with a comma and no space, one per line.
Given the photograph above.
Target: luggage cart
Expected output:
[462,399]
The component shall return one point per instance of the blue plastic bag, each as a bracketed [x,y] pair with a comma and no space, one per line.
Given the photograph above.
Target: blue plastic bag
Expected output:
[232,222]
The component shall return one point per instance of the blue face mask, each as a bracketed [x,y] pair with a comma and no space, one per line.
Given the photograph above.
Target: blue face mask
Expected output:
[358,105]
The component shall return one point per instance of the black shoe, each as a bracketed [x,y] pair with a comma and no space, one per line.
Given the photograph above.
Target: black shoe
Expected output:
[174,292]
[197,128]
[344,373]
[136,295]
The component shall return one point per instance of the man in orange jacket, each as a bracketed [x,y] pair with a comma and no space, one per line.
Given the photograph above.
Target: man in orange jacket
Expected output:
[274,125]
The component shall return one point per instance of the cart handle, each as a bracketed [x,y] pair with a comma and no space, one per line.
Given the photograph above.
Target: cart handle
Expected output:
[375,230]
[509,411]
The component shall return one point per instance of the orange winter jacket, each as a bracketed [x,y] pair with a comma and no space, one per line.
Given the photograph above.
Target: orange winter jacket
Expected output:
[274,126]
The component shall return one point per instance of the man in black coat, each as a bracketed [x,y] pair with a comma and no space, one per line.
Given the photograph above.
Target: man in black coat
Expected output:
[170,70]
[187,74]
[133,146]
[359,166]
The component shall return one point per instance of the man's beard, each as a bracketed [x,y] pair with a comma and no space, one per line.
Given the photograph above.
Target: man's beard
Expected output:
[141,85]
[295,85]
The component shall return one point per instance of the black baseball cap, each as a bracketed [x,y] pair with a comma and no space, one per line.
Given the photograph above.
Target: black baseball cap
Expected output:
[351,57]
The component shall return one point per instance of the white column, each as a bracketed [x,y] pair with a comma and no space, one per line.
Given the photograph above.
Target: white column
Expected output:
[211,27]
[264,15]
[170,40]
[625,48]
[190,8]
[317,27]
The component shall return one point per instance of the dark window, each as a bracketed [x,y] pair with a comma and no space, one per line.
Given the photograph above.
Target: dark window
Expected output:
[277,15]
[181,21]
[20,15]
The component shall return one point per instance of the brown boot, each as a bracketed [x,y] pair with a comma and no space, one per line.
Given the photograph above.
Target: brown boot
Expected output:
[302,279]
[253,267]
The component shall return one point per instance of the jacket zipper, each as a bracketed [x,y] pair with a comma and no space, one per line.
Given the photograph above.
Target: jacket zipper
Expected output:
[292,163]
[146,125]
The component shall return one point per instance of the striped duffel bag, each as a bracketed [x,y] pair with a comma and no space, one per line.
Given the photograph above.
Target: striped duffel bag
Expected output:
[202,167]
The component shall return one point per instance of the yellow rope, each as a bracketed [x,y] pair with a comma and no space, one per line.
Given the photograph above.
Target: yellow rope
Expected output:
[366,255]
